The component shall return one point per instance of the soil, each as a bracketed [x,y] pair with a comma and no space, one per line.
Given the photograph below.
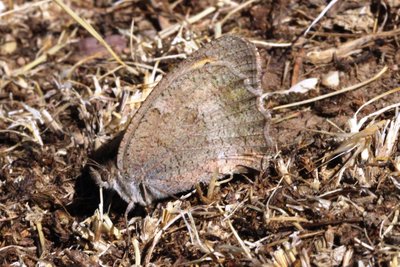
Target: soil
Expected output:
[328,197]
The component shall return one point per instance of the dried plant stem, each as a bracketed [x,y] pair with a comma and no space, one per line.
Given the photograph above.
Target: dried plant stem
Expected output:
[269,44]
[344,90]
[236,9]
[42,240]
[174,28]
[39,60]
[18,248]
[397,89]
[90,29]
[135,243]
[246,250]
[25,7]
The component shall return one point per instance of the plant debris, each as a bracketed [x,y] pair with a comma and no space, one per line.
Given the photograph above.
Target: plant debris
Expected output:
[330,193]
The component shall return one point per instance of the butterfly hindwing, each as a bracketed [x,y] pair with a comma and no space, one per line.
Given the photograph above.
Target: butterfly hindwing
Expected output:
[201,119]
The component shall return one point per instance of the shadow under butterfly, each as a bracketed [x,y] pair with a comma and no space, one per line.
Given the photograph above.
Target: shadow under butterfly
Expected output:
[205,117]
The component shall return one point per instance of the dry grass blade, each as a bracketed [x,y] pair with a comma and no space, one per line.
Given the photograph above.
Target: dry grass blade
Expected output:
[323,12]
[357,138]
[375,99]
[344,90]
[90,29]
[350,47]
[24,7]
[245,249]
[175,28]
[355,124]
[269,44]
[60,99]
[41,59]
[218,25]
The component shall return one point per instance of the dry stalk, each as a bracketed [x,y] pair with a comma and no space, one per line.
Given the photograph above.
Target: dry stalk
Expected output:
[90,29]
[344,90]
[174,28]
[24,7]
[346,49]
[136,248]
[269,44]
[41,59]
[158,234]
[218,25]
[245,249]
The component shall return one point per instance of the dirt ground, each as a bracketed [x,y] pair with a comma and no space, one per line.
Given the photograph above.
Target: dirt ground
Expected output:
[330,193]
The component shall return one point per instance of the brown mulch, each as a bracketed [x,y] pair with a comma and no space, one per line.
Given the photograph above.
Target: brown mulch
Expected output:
[330,194]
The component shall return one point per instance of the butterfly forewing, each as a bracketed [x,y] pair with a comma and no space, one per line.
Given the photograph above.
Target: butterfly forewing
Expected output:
[200,120]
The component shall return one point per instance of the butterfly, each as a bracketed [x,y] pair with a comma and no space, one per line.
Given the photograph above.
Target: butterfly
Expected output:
[204,117]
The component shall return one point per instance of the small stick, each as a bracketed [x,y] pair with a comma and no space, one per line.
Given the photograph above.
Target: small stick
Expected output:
[174,28]
[344,90]
[298,64]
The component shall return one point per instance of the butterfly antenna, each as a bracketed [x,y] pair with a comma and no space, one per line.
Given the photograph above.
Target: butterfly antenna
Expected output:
[92,162]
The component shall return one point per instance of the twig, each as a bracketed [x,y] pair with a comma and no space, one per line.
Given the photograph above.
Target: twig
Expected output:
[344,90]
[135,243]
[17,247]
[174,28]
[315,21]
[218,25]
[90,29]
[246,250]
[269,44]
[24,7]
[39,60]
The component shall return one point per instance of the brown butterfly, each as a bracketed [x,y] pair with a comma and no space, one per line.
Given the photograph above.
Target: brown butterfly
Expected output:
[203,118]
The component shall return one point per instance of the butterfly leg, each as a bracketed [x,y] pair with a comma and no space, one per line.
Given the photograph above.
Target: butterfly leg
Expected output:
[131,206]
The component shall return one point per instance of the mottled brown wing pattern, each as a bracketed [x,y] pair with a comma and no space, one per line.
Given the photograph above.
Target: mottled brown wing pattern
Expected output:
[201,119]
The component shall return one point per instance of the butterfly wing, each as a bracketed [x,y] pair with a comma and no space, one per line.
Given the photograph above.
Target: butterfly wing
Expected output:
[201,119]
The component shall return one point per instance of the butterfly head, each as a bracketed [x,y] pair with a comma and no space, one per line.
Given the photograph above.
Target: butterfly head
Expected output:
[109,176]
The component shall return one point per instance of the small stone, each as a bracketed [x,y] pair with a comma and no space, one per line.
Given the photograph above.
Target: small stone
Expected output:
[8,48]
[331,79]
[21,61]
